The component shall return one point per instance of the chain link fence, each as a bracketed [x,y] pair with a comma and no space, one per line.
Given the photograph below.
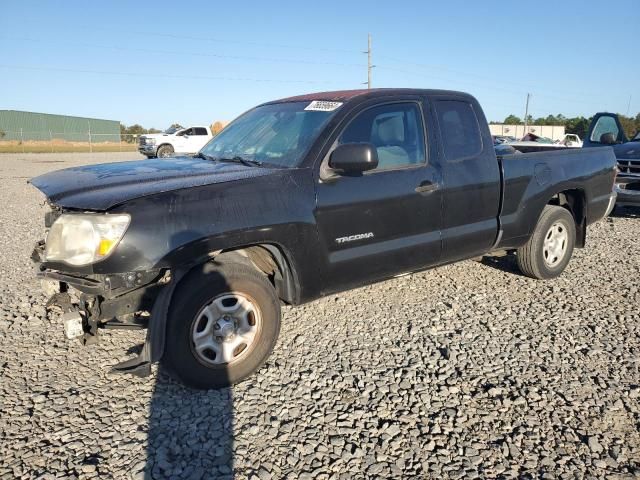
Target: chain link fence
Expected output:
[23,141]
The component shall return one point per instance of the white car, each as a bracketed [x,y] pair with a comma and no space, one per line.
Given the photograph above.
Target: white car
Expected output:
[186,141]
[570,140]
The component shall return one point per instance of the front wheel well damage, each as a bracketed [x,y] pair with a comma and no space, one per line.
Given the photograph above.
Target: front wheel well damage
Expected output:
[268,259]
[575,202]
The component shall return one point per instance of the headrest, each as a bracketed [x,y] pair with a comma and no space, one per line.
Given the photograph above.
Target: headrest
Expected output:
[390,130]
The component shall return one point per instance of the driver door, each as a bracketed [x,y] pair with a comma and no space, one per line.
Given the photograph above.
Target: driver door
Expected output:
[385,221]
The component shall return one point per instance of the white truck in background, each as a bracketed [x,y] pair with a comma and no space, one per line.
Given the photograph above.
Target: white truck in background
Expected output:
[570,140]
[184,141]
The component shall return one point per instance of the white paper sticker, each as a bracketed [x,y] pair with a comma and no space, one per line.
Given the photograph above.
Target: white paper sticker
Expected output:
[323,106]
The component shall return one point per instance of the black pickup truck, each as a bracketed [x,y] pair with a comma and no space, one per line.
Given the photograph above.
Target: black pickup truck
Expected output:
[296,199]
[606,131]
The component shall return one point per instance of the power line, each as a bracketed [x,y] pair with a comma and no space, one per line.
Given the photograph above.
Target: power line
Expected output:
[491,79]
[196,54]
[236,42]
[156,75]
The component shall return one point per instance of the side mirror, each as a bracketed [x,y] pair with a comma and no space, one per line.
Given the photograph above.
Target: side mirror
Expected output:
[608,138]
[354,158]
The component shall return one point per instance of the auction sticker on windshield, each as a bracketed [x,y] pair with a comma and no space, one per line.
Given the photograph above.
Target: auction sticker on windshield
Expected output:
[323,106]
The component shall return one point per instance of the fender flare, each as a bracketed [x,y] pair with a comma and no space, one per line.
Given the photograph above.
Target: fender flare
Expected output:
[154,342]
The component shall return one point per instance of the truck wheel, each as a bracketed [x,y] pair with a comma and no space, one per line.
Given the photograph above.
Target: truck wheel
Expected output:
[223,323]
[549,249]
[165,151]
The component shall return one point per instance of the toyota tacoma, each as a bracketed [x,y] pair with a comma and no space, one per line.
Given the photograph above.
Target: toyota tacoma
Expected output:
[297,199]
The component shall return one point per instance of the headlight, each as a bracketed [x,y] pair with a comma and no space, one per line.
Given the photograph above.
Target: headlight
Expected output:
[150,141]
[82,239]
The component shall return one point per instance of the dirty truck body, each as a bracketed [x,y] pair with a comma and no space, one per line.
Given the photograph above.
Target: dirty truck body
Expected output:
[375,184]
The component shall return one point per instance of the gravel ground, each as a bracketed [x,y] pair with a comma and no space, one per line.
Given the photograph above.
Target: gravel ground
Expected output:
[469,370]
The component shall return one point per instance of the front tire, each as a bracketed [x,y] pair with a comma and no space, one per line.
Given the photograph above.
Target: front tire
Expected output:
[549,249]
[223,323]
[165,151]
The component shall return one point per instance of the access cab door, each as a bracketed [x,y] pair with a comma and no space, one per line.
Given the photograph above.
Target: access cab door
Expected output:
[385,221]
[199,138]
[471,181]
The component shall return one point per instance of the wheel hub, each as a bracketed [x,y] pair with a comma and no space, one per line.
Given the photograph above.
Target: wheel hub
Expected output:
[225,329]
[555,244]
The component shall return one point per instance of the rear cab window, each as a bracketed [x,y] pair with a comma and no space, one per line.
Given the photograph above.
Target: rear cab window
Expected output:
[459,128]
[603,126]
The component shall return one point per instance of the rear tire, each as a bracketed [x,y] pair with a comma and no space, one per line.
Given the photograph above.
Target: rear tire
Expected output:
[202,319]
[549,249]
[165,151]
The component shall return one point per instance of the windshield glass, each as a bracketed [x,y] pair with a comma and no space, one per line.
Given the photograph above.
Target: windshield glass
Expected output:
[171,130]
[277,134]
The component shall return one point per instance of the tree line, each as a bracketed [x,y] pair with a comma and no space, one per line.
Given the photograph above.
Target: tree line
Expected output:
[576,125]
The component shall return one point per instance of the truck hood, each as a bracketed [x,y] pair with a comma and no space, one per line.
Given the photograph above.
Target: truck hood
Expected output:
[103,186]
[629,150]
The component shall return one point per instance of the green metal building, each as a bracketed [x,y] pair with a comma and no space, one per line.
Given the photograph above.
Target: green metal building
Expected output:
[25,126]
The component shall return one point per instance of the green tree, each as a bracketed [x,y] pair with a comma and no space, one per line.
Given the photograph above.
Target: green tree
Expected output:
[2,133]
[629,125]
[578,126]
[512,120]
[216,127]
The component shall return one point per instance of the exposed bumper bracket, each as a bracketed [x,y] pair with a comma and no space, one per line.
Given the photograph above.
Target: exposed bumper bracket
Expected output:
[139,366]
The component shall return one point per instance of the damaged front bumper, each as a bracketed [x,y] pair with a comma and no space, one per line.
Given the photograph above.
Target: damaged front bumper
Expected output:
[89,302]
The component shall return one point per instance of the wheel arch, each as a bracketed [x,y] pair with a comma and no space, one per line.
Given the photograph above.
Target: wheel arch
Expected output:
[268,258]
[575,201]
[165,144]
[265,257]
[272,261]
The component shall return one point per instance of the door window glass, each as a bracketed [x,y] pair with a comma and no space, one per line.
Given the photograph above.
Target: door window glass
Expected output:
[603,126]
[460,130]
[395,130]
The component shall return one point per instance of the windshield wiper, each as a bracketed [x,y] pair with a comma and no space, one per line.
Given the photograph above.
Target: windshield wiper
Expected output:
[243,160]
[204,156]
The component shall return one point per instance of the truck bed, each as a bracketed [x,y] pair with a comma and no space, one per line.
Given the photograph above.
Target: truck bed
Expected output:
[530,179]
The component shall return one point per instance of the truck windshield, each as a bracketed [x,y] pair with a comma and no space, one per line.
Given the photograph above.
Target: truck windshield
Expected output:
[277,134]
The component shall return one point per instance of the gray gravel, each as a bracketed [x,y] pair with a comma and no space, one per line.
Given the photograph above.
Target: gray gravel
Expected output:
[464,371]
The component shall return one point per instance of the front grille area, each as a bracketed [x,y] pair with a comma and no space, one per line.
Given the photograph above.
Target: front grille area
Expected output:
[629,166]
[142,140]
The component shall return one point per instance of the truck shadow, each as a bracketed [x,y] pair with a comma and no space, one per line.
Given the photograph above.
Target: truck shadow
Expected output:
[503,262]
[190,432]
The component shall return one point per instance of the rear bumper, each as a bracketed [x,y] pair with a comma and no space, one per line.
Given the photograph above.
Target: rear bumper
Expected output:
[628,190]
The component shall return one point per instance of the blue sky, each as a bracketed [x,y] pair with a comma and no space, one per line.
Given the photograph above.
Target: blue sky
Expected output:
[154,63]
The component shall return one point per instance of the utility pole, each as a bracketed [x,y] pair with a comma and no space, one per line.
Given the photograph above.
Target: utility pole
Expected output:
[526,114]
[629,105]
[369,66]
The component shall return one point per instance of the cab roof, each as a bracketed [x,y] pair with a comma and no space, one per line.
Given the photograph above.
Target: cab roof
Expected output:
[346,95]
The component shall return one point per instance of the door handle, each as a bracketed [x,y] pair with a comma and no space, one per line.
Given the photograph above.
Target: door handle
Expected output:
[427,187]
